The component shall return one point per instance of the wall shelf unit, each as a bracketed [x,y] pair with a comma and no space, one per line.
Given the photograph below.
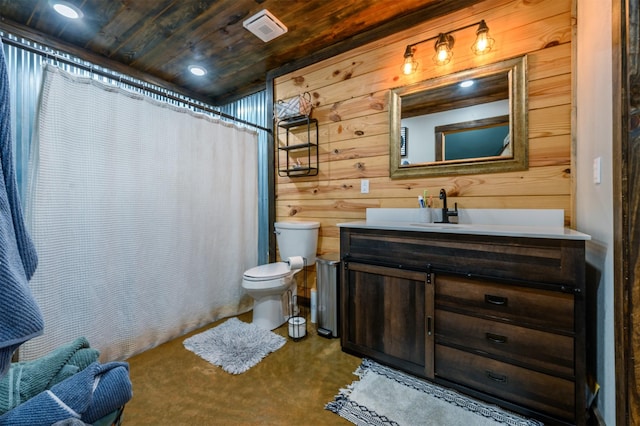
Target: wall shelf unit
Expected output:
[293,150]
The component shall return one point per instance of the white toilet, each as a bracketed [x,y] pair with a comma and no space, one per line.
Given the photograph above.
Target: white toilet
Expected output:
[268,284]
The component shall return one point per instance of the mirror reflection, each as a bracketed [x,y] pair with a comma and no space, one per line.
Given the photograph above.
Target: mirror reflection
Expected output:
[483,138]
[469,122]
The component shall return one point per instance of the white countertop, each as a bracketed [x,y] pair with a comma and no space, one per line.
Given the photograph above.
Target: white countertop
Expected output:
[530,223]
[493,230]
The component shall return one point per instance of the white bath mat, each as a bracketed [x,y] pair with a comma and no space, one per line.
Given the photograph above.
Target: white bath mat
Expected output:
[387,397]
[234,345]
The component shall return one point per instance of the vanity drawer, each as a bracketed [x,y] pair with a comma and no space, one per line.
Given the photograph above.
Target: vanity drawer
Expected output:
[536,349]
[551,262]
[548,310]
[531,389]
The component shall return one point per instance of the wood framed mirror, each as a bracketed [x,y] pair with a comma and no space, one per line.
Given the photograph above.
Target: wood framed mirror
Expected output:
[455,128]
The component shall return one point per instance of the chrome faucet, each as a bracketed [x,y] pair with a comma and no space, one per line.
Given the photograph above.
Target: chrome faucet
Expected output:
[446,214]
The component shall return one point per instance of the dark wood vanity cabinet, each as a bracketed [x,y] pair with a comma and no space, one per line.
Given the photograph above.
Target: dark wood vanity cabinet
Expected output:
[499,318]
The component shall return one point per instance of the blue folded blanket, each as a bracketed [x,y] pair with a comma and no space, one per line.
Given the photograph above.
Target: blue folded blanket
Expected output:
[21,318]
[88,395]
[27,379]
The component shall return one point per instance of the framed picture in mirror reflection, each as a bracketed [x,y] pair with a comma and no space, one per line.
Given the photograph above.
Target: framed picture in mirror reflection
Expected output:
[404,134]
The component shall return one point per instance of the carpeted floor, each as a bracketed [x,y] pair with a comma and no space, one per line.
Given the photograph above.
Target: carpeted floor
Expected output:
[173,386]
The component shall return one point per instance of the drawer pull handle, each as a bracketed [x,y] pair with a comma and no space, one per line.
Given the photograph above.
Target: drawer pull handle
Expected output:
[496,338]
[496,377]
[495,300]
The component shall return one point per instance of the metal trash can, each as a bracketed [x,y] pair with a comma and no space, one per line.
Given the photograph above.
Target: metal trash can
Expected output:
[327,270]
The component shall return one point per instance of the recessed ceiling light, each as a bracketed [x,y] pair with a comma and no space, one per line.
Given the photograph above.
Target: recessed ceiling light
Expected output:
[466,83]
[67,10]
[197,70]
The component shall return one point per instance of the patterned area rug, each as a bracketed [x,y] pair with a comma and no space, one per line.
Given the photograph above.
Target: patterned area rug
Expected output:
[234,345]
[384,396]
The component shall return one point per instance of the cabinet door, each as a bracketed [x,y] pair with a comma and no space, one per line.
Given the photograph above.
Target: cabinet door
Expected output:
[388,315]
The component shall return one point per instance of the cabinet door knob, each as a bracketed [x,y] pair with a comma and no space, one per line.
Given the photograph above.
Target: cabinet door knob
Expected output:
[496,338]
[496,377]
[495,300]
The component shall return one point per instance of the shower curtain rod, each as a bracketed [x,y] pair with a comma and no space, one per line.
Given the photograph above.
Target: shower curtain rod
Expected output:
[128,81]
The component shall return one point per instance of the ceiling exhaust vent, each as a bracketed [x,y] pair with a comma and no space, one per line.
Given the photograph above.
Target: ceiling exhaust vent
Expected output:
[265,26]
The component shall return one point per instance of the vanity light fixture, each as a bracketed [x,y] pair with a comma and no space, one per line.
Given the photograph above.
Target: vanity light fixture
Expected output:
[443,49]
[67,10]
[410,64]
[483,43]
[444,45]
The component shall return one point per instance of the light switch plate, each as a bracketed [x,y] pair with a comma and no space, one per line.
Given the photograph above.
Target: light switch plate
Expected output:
[597,170]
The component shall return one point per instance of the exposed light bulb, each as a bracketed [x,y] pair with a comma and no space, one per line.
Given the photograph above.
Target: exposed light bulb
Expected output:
[443,54]
[409,66]
[466,83]
[482,43]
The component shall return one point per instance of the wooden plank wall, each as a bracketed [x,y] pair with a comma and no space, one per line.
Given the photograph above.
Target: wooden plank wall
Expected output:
[350,96]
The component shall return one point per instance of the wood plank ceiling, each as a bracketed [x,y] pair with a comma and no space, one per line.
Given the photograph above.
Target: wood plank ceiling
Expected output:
[156,40]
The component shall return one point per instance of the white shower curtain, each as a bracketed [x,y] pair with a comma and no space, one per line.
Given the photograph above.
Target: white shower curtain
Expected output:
[143,215]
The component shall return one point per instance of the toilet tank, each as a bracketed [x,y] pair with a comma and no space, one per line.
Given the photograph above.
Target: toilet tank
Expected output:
[297,239]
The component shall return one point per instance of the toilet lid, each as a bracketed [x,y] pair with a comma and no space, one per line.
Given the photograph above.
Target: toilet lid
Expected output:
[268,271]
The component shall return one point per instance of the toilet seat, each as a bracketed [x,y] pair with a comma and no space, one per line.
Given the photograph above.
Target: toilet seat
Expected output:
[267,272]
[271,286]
